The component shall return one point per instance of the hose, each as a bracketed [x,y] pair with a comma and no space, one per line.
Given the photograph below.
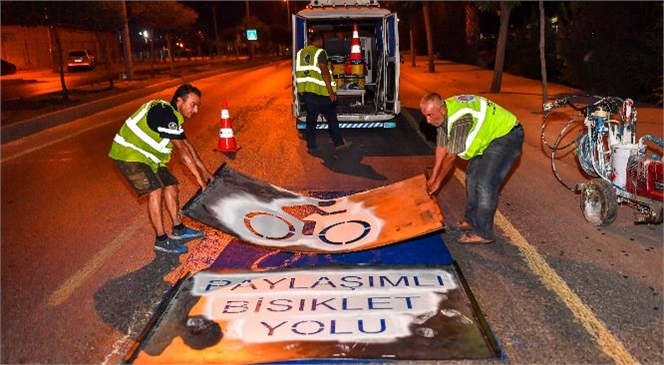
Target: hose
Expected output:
[585,146]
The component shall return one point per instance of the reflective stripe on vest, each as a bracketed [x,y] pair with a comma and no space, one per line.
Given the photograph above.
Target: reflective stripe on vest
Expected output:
[123,142]
[136,142]
[309,78]
[158,145]
[483,132]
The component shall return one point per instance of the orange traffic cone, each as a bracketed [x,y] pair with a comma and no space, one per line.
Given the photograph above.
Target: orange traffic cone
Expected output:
[355,50]
[226,141]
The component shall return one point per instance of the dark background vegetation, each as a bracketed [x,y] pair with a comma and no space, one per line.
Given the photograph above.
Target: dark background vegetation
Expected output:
[601,47]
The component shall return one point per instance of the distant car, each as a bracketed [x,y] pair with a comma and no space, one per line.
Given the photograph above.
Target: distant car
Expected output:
[8,68]
[81,59]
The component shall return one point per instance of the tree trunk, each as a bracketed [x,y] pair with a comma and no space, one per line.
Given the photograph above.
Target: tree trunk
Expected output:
[171,56]
[505,10]
[472,32]
[217,41]
[60,58]
[105,52]
[108,65]
[542,50]
[427,28]
[126,44]
[152,54]
[412,42]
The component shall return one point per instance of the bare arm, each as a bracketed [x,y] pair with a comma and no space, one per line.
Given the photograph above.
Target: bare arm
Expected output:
[328,83]
[443,164]
[190,158]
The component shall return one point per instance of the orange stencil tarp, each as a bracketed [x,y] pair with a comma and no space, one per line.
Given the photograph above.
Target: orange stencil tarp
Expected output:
[266,215]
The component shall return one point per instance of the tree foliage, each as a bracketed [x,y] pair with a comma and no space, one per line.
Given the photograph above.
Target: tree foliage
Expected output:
[92,15]
[614,49]
[168,17]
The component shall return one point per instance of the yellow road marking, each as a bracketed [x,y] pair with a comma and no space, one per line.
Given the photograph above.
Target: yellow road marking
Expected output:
[608,343]
[66,289]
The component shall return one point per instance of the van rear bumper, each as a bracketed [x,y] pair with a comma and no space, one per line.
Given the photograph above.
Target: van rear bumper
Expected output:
[349,122]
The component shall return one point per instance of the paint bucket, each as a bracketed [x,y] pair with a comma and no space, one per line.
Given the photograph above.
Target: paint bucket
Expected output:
[357,67]
[619,158]
[339,79]
[337,68]
[361,82]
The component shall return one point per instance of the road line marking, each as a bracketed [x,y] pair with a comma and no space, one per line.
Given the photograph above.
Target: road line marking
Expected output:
[26,151]
[606,341]
[66,289]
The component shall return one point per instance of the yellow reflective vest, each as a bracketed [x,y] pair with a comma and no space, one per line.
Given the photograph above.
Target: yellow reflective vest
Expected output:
[137,142]
[308,75]
[490,121]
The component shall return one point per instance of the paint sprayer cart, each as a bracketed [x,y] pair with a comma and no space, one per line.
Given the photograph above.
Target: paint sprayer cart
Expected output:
[621,170]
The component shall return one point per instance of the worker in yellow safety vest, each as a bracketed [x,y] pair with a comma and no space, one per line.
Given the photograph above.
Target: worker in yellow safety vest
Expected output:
[314,83]
[490,137]
[141,151]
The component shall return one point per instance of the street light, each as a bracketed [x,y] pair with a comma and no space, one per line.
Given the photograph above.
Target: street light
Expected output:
[146,35]
[146,38]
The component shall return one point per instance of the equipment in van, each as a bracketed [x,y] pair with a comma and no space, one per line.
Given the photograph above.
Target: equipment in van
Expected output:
[362,42]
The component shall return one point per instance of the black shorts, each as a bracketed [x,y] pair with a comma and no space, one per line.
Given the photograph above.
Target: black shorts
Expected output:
[141,177]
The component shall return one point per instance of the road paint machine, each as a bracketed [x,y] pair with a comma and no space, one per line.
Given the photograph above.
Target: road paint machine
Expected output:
[621,169]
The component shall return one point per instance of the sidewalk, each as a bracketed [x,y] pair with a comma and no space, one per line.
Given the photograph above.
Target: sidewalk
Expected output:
[520,95]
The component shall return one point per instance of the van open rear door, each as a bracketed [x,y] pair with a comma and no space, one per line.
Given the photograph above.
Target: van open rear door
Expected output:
[362,42]
[299,39]
[391,65]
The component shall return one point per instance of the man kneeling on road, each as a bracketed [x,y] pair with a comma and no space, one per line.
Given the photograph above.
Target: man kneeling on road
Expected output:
[142,149]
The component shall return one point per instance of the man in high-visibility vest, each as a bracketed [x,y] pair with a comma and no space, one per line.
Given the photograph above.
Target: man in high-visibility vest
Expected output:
[491,137]
[314,82]
[142,149]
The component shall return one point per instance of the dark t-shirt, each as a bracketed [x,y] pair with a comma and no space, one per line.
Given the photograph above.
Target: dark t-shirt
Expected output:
[162,119]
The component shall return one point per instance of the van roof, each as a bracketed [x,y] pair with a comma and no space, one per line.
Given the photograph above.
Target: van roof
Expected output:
[343,3]
[327,12]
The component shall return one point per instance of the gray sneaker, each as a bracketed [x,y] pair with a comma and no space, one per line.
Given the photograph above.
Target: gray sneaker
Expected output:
[170,245]
[186,234]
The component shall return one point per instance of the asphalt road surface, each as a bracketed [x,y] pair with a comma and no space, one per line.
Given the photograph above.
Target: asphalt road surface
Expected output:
[80,279]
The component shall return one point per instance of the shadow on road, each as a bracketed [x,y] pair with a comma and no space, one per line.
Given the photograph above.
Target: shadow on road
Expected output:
[123,302]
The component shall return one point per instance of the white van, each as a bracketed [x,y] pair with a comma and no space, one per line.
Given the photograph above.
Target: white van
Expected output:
[368,83]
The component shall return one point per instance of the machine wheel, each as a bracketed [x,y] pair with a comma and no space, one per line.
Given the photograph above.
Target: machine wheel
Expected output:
[599,202]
